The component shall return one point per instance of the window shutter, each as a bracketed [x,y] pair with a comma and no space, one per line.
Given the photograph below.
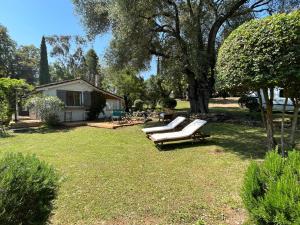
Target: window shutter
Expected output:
[61,94]
[87,98]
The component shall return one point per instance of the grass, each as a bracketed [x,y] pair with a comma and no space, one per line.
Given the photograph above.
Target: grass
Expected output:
[120,177]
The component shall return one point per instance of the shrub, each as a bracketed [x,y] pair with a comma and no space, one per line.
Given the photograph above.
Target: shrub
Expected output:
[271,191]
[168,103]
[250,102]
[47,108]
[4,113]
[28,188]
[138,105]
[98,102]
[10,87]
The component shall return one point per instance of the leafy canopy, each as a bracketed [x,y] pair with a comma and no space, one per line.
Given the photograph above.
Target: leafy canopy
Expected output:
[7,51]
[261,53]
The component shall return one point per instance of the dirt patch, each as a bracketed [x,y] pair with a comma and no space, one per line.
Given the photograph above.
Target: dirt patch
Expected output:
[113,125]
[234,216]
[224,103]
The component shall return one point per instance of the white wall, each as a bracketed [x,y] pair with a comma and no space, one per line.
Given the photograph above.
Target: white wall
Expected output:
[79,113]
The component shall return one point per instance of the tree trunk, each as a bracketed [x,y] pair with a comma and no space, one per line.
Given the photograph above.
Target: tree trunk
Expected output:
[282,127]
[198,95]
[294,123]
[269,121]
[262,112]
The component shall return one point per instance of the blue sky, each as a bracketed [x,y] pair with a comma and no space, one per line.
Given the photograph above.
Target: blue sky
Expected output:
[28,20]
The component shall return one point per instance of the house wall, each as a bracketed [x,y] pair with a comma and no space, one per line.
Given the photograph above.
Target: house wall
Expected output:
[79,113]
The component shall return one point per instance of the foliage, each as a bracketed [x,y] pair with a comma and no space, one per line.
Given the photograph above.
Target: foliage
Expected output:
[7,52]
[138,105]
[185,32]
[155,90]
[47,108]
[28,188]
[68,52]
[250,102]
[27,63]
[271,191]
[93,68]
[4,112]
[98,102]
[260,53]
[10,87]
[168,103]
[44,76]
[126,82]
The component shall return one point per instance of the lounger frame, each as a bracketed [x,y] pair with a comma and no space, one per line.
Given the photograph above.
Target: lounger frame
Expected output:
[197,136]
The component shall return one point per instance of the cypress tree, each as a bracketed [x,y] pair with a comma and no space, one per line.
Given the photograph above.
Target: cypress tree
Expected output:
[44,77]
[93,67]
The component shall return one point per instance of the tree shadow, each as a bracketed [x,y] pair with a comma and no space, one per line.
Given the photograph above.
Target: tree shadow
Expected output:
[184,145]
[43,130]
[6,135]
[245,141]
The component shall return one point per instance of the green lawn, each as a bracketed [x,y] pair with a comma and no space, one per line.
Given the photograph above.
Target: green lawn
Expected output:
[120,177]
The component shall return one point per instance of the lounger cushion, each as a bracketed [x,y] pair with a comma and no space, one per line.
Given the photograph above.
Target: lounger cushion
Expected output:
[186,132]
[169,126]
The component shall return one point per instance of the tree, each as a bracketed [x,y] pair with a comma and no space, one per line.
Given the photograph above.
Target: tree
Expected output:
[157,88]
[7,53]
[186,30]
[13,89]
[44,76]
[127,83]
[69,57]
[260,55]
[93,68]
[27,63]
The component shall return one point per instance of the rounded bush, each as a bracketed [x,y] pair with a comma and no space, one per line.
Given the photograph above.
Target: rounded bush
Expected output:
[271,191]
[261,53]
[168,103]
[47,107]
[138,104]
[27,190]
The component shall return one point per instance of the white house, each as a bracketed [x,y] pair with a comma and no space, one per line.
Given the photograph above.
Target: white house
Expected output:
[76,94]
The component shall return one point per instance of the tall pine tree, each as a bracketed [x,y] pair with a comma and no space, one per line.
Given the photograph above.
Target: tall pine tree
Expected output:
[44,77]
[93,68]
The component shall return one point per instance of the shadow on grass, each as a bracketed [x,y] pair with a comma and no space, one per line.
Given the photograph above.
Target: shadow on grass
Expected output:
[185,145]
[6,135]
[43,130]
[245,141]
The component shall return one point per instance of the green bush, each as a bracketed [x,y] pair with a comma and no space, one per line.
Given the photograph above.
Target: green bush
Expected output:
[28,188]
[271,191]
[4,113]
[168,103]
[47,108]
[138,105]
[98,102]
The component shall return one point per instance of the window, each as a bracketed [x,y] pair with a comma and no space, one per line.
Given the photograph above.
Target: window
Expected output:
[73,98]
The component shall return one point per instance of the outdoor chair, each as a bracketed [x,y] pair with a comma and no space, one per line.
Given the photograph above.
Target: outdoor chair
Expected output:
[171,126]
[117,115]
[191,131]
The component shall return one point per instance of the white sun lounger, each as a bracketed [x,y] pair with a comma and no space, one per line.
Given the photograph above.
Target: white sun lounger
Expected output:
[172,125]
[189,132]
